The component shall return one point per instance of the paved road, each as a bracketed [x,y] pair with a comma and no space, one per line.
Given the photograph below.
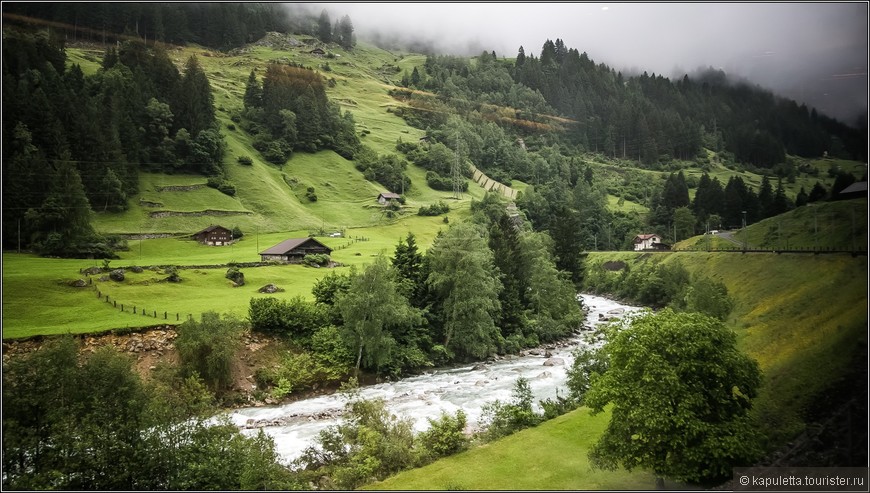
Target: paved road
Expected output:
[728,235]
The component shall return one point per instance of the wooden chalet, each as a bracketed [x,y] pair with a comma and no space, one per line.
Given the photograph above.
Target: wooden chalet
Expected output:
[294,250]
[214,236]
[385,197]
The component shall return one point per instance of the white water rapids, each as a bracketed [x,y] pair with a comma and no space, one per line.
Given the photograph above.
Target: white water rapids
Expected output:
[295,426]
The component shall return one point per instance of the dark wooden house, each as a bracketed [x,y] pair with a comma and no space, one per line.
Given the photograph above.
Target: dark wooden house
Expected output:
[294,250]
[214,236]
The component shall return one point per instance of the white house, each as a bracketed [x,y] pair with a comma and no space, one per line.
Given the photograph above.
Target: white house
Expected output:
[646,242]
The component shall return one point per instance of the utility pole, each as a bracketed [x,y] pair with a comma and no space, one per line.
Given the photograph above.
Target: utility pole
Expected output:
[456,174]
[743,230]
[815,229]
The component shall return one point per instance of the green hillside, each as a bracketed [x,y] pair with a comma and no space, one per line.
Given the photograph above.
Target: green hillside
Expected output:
[839,225]
[802,317]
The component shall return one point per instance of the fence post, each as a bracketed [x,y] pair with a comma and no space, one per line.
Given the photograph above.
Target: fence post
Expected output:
[107,298]
[134,310]
[115,303]
[164,315]
[122,307]
[176,317]
[155,313]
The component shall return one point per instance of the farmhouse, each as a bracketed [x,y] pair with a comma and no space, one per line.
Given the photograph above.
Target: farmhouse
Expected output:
[385,197]
[646,242]
[214,236]
[294,250]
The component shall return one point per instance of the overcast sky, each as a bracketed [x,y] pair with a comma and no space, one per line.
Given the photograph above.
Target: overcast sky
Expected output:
[815,52]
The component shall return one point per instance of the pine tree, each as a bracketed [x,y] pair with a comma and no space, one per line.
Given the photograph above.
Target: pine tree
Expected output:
[345,35]
[196,102]
[324,27]
[253,92]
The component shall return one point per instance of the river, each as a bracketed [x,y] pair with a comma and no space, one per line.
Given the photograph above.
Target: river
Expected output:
[295,426]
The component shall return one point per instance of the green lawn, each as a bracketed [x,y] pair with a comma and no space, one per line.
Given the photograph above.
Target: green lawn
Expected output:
[552,456]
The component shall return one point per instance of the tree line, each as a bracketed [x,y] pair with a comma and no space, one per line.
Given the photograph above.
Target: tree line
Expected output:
[76,143]
[290,111]
[220,26]
[484,287]
[647,118]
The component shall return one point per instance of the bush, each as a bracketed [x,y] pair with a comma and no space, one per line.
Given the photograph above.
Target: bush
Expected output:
[295,317]
[503,419]
[246,160]
[310,195]
[434,209]
[208,347]
[445,436]
[237,233]
[316,259]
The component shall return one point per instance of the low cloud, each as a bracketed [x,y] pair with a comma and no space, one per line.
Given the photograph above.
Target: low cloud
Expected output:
[813,52]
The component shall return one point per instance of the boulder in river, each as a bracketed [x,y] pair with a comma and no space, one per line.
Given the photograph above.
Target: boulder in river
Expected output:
[554,362]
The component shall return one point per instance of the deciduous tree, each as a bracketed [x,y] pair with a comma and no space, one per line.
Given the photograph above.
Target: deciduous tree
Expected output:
[680,392]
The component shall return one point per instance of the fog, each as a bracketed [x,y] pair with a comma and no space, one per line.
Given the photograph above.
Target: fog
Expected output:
[812,52]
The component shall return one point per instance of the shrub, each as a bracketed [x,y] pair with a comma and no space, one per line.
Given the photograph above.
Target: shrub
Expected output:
[310,194]
[208,347]
[295,317]
[503,419]
[316,259]
[237,233]
[434,209]
[246,160]
[445,436]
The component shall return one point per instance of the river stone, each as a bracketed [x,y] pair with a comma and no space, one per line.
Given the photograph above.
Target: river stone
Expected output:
[78,283]
[117,275]
[269,288]
[616,311]
[554,362]
[544,374]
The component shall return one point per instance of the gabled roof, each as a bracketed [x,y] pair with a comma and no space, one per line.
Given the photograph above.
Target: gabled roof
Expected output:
[858,186]
[210,229]
[287,245]
[389,195]
[646,237]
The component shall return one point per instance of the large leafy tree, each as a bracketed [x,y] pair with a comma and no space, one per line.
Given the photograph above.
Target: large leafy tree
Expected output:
[370,306]
[463,276]
[680,392]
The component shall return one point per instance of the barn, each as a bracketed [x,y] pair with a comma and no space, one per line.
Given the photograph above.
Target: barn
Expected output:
[386,197]
[214,235]
[294,250]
